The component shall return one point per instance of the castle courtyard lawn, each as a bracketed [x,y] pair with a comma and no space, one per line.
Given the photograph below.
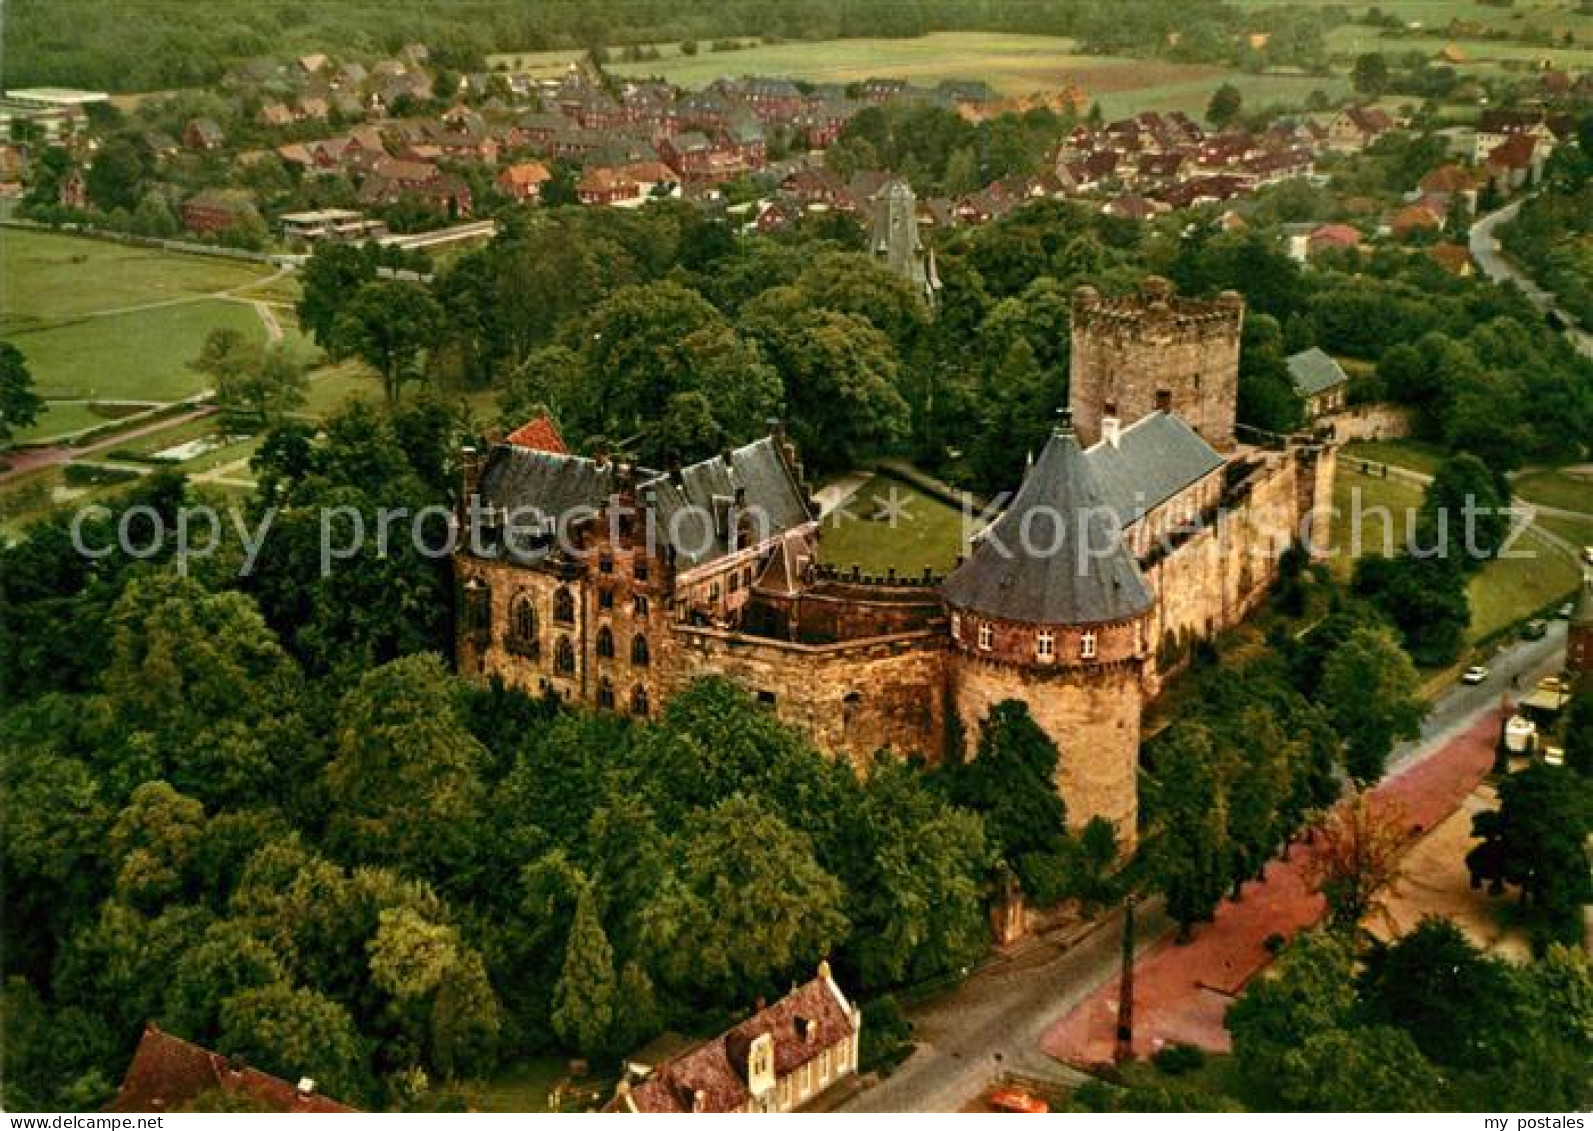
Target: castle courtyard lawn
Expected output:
[888,524]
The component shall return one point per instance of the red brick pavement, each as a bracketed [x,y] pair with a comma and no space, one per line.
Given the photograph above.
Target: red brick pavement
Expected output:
[1181,993]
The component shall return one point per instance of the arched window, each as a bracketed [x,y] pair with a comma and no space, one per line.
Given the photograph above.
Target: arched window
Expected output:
[638,700]
[605,643]
[639,606]
[564,606]
[605,694]
[639,654]
[564,657]
[524,621]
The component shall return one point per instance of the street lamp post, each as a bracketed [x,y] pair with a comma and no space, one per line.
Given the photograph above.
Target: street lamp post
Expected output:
[1124,1050]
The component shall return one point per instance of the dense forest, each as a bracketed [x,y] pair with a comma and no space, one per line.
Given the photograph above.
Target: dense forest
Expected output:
[173,44]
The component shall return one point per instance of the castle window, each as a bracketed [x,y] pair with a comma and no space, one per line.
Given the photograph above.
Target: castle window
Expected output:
[605,599]
[713,591]
[605,694]
[1087,646]
[605,643]
[639,653]
[639,700]
[1045,645]
[735,582]
[564,606]
[987,637]
[605,564]
[523,639]
[956,626]
[1164,400]
[478,611]
[766,698]
[639,606]
[640,571]
[564,657]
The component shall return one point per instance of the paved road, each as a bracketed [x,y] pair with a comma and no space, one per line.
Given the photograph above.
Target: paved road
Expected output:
[1005,1008]
[1494,264]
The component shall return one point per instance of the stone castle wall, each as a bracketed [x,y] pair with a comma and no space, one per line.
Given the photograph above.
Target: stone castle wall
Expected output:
[850,699]
[1135,356]
[1092,714]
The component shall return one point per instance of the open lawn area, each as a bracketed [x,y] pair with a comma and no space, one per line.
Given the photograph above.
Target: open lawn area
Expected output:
[528,1087]
[924,531]
[141,356]
[46,279]
[1414,455]
[1560,489]
[1501,593]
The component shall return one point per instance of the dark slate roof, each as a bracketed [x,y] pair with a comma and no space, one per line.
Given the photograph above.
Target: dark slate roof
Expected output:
[552,485]
[685,510]
[1091,577]
[1314,372]
[1154,458]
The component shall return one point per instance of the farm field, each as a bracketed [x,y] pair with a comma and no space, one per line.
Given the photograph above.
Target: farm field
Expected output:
[1482,55]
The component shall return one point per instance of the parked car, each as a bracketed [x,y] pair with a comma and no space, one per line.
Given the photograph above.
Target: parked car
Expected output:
[1018,1101]
[1535,629]
[1564,611]
[1474,674]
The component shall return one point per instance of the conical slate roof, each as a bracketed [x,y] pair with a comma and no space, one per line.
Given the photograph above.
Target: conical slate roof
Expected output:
[1057,555]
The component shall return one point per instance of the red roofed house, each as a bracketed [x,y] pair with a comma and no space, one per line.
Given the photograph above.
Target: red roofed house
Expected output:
[1515,162]
[169,1074]
[540,434]
[524,181]
[1331,237]
[1415,218]
[1357,127]
[776,1060]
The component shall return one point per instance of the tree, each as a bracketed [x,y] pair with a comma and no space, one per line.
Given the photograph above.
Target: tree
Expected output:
[438,985]
[1579,735]
[1371,73]
[154,217]
[266,392]
[1225,105]
[404,780]
[1193,854]
[155,839]
[584,1002]
[49,172]
[1361,1070]
[332,275]
[1465,504]
[19,404]
[294,1032]
[390,325]
[1311,990]
[1536,840]
[1370,692]
[1422,596]
[1357,859]
[748,907]
[1012,783]
[116,177]
[227,353]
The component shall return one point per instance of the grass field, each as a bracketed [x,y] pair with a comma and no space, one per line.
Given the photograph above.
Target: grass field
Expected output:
[926,532]
[139,356]
[1556,489]
[47,279]
[1411,454]
[1501,593]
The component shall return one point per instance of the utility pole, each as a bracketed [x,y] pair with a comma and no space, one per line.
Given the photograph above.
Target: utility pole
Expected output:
[1124,1050]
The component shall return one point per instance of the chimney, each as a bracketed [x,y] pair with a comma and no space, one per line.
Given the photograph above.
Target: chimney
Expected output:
[1111,430]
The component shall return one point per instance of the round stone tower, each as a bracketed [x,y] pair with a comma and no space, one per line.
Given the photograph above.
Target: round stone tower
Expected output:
[1051,609]
[1156,352]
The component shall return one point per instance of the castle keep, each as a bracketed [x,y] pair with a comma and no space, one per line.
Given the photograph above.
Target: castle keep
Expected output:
[1142,526]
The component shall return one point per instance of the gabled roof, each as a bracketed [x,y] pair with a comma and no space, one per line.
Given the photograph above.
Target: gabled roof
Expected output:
[1313,372]
[713,1077]
[540,434]
[168,1074]
[1056,556]
[1154,458]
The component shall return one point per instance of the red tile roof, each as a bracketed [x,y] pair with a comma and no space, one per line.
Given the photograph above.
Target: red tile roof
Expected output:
[713,1077]
[169,1073]
[540,434]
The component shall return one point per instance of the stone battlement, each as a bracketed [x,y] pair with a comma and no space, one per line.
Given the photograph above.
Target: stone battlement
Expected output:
[1156,312]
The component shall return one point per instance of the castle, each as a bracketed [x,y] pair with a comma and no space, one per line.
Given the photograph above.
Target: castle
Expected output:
[1143,526]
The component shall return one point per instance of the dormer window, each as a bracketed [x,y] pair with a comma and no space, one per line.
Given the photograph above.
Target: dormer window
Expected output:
[1045,645]
[987,637]
[1087,646]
